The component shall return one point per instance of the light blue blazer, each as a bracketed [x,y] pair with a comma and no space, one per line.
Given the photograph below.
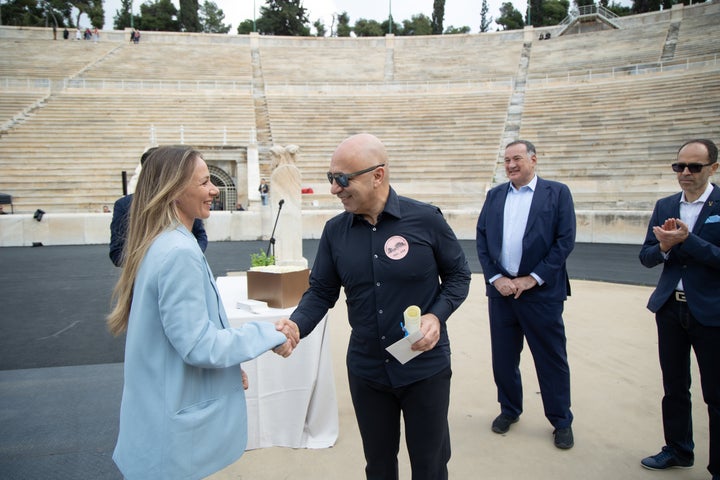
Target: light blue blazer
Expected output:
[183,413]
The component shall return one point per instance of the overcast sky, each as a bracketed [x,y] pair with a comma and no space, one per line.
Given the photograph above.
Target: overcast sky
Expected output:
[458,13]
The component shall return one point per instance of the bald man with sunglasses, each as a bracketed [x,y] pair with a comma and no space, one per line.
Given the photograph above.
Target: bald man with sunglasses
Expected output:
[684,236]
[389,252]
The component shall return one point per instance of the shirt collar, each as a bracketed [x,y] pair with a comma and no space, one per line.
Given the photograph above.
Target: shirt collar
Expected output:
[531,186]
[702,199]
[392,207]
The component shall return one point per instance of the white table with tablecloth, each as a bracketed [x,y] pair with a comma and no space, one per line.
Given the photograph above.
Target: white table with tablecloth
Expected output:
[291,402]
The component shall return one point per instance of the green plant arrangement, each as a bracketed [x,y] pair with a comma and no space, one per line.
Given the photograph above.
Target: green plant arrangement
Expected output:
[261,259]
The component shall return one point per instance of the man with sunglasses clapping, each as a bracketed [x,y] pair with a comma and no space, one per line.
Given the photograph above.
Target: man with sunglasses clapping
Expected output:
[389,252]
[684,236]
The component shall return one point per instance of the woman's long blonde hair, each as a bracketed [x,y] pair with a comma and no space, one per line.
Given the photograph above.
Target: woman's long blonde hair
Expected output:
[164,175]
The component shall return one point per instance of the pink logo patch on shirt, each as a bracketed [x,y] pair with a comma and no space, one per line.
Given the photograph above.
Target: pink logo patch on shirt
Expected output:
[396,247]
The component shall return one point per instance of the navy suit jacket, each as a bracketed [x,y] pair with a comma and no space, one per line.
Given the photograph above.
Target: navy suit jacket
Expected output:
[549,238]
[696,260]
[119,223]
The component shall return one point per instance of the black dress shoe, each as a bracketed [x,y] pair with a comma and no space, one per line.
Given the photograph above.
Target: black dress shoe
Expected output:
[564,438]
[502,423]
[665,459]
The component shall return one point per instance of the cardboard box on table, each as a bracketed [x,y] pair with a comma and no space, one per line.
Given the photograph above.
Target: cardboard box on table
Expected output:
[278,289]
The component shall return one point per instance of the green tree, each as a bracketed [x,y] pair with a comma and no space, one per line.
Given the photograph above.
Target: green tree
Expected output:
[396,28]
[320,29]
[450,30]
[417,25]
[93,9]
[245,27]
[211,18]
[368,28]
[158,15]
[23,13]
[618,9]
[510,19]
[123,18]
[437,16]
[584,3]
[484,22]
[283,17]
[534,13]
[188,16]
[644,6]
[343,25]
[554,11]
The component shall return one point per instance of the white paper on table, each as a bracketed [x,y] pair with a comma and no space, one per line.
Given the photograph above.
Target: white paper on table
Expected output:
[401,349]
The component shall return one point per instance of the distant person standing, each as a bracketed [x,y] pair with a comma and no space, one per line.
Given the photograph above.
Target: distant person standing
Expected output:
[684,236]
[119,224]
[525,233]
[264,190]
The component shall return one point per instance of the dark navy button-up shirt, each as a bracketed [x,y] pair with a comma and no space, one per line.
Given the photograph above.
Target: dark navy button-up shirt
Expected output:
[410,257]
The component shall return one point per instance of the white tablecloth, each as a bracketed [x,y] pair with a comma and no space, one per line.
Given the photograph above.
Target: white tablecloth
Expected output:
[291,401]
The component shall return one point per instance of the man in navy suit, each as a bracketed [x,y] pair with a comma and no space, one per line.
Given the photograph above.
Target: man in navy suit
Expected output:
[525,232]
[684,235]
[119,223]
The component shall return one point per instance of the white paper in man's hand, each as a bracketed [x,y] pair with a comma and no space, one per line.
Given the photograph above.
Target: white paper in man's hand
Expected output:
[401,349]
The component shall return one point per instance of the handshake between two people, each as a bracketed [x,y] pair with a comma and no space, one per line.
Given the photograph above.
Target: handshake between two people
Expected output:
[429,325]
[292,332]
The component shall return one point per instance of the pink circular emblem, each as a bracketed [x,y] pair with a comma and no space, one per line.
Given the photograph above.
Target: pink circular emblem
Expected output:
[396,247]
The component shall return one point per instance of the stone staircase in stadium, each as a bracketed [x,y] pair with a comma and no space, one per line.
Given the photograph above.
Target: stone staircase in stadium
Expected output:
[76,114]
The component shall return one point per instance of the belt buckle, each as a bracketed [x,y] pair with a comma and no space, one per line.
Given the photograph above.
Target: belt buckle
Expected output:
[680,296]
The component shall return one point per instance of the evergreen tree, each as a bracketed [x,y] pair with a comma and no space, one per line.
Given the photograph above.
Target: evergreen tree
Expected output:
[535,13]
[320,29]
[158,15]
[343,25]
[246,27]
[212,17]
[368,28]
[283,17]
[188,16]
[554,12]
[644,6]
[450,30]
[93,9]
[484,21]
[417,25]
[437,16]
[510,19]
[122,18]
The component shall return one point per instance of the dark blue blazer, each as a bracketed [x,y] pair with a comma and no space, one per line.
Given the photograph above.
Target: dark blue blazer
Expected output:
[549,239]
[696,260]
[119,223]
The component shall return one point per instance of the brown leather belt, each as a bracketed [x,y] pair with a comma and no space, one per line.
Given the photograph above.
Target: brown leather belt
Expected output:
[680,296]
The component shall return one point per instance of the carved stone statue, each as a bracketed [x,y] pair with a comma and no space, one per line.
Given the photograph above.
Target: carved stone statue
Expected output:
[286,186]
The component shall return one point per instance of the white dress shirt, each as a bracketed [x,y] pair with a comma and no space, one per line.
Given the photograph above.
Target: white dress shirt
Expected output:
[689,213]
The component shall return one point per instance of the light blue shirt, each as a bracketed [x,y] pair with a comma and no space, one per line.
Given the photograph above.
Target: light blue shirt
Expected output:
[515,217]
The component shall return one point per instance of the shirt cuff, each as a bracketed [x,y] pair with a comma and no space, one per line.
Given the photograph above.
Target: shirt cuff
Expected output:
[536,277]
[495,277]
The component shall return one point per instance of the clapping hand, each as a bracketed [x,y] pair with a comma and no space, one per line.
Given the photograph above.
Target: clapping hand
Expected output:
[672,232]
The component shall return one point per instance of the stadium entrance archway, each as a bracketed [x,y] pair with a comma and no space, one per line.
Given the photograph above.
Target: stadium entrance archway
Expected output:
[227,198]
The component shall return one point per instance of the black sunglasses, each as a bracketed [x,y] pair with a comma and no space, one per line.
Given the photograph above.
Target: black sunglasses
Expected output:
[693,167]
[343,179]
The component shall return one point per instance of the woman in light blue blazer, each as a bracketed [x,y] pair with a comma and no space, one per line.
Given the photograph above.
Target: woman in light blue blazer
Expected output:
[183,413]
